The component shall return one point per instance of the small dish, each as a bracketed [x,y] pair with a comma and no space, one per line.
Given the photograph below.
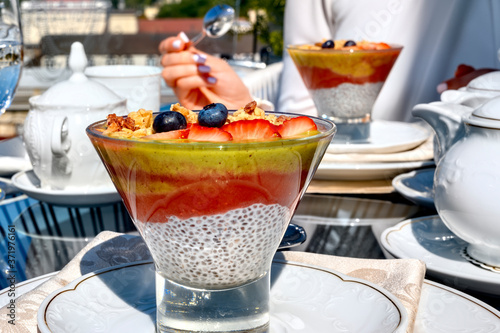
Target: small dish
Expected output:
[27,182]
[122,299]
[416,186]
[429,240]
[384,137]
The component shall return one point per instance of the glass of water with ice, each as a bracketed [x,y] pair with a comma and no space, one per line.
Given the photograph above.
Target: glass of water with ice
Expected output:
[11,54]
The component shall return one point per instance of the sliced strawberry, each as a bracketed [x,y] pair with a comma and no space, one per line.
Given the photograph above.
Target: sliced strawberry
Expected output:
[201,133]
[383,46]
[170,135]
[255,129]
[297,126]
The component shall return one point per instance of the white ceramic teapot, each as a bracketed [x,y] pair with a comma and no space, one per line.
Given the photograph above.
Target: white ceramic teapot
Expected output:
[54,130]
[467,181]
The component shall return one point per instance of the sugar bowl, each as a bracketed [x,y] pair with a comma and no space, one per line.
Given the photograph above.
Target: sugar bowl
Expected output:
[54,130]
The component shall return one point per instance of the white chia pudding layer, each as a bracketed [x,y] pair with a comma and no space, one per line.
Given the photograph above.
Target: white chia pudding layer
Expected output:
[347,100]
[218,251]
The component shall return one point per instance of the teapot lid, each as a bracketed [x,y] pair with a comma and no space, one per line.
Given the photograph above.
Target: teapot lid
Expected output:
[78,90]
[489,81]
[487,115]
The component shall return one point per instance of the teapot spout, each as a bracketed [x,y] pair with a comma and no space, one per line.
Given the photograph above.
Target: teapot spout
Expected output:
[446,121]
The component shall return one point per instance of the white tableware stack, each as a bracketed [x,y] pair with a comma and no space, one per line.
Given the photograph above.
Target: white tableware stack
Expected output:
[390,148]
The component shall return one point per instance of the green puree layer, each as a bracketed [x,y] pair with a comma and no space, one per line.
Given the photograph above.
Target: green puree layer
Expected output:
[190,179]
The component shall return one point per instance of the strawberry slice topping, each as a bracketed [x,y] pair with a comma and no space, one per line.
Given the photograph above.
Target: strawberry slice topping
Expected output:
[201,133]
[255,129]
[170,135]
[296,127]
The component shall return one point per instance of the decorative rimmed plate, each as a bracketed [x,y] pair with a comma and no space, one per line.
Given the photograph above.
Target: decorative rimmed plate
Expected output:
[385,137]
[429,240]
[416,186]
[366,171]
[441,308]
[122,299]
[27,182]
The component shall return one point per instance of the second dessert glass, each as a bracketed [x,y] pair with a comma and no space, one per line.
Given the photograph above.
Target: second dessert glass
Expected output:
[212,215]
[344,83]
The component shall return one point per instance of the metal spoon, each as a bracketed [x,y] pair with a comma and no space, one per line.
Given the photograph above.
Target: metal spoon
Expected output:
[217,21]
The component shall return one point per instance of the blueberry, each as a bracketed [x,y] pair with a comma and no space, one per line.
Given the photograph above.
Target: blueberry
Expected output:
[169,121]
[350,43]
[213,115]
[329,44]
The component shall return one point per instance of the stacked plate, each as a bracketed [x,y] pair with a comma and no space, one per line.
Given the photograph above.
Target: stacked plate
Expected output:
[392,148]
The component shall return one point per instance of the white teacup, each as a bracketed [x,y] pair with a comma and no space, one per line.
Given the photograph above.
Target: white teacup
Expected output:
[140,85]
[478,91]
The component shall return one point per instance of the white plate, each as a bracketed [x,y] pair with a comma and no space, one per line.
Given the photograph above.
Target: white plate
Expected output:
[429,240]
[27,182]
[441,308]
[416,186]
[366,171]
[385,137]
[303,299]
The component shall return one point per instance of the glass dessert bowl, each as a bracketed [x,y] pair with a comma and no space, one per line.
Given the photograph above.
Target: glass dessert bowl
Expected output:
[344,78]
[212,215]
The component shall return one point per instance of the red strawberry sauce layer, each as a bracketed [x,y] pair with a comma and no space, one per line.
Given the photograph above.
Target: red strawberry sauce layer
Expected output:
[190,180]
[320,78]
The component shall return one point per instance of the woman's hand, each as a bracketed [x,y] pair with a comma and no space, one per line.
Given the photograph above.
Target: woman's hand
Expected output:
[198,78]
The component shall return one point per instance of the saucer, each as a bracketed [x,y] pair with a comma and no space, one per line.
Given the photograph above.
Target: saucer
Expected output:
[27,182]
[122,299]
[428,239]
[384,137]
[416,186]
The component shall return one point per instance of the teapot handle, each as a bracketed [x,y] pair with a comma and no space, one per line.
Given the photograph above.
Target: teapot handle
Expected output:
[60,141]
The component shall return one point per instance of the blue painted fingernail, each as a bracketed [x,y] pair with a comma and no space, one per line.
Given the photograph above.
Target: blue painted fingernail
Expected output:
[184,37]
[204,69]
[176,44]
[211,80]
[199,58]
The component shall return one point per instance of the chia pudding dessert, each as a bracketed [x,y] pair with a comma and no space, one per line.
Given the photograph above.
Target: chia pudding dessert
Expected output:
[344,77]
[211,192]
